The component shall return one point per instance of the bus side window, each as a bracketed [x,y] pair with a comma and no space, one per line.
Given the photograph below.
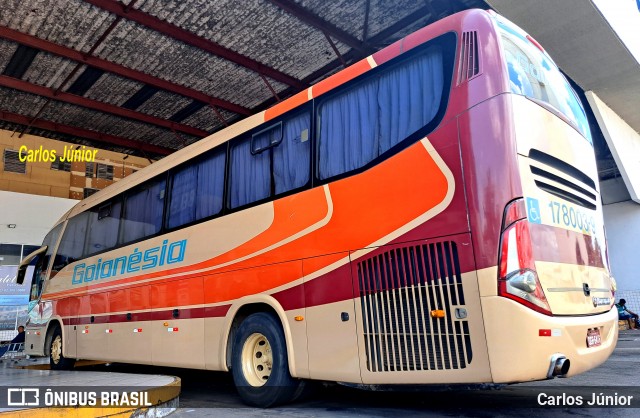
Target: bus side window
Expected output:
[39,272]
[359,125]
[143,209]
[37,269]
[196,190]
[104,222]
[71,247]
[292,156]
[261,166]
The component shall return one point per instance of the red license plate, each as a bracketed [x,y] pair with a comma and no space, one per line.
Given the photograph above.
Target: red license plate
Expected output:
[593,338]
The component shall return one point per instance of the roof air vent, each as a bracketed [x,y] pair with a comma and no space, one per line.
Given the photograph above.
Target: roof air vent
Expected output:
[469,63]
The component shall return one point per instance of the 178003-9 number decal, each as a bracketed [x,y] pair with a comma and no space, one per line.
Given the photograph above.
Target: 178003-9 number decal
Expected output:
[561,214]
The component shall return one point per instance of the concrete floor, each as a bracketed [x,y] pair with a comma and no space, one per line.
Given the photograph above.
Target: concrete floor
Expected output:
[207,394]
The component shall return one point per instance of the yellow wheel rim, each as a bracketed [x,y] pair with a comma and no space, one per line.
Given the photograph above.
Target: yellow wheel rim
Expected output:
[257,360]
[56,349]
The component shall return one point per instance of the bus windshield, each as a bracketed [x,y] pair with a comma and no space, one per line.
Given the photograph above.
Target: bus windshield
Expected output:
[533,74]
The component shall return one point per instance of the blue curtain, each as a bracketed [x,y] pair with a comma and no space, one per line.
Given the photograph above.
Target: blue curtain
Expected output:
[210,186]
[103,233]
[250,175]
[196,191]
[143,212]
[348,131]
[366,121]
[292,157]
[408,98]
[72,245]
[183,197]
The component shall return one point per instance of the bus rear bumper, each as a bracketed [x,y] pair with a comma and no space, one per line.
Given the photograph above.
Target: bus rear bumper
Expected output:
[522,343]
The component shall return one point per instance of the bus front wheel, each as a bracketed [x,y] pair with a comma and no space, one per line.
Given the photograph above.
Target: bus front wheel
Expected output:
[259,363]
[56,359]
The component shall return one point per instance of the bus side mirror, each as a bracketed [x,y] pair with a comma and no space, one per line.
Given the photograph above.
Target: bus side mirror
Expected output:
[22,268]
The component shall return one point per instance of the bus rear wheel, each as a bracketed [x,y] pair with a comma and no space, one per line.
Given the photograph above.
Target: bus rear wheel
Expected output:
[57,360]
[259,363]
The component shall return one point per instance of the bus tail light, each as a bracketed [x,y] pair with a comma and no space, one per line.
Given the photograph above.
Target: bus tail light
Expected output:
[518,278]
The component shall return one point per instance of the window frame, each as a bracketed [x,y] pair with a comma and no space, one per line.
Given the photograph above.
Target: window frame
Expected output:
[277,125]
[99,207]
[107,177]
[90,170]
[16,163]
[57,164]
[121,197]
[66,230]
[125,195]
[449,45]
[308,108]
[93,191]
[211,153]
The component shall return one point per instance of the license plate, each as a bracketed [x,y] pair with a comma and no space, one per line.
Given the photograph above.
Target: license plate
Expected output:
[593,338]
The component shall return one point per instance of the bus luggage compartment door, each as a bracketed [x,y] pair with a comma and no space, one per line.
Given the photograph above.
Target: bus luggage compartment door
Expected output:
[419,316]
[331,328]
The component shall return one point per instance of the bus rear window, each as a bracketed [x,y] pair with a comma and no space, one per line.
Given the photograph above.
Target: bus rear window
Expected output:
[533,74]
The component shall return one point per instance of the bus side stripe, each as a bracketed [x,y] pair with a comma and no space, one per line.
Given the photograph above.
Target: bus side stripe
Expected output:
[380,185]
[342,77]
[162,315]
[287,105]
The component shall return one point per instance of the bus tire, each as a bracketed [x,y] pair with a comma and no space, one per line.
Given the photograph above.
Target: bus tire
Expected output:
[259,363]
[57,360]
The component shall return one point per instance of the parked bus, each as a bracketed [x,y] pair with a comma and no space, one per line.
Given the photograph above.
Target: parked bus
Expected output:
[429,215]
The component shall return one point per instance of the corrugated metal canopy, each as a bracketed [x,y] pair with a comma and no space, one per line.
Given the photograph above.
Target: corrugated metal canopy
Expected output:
[149,77]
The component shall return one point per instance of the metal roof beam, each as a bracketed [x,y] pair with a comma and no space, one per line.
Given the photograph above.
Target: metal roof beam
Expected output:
[317,22]
[120,70]
[86,134]
[190,38]
[353,55]
[27,87]
[408,20]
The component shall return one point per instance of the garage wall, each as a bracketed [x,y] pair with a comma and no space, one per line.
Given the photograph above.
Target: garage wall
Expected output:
[622,220]
[42,177]
[32,215]
[31,218]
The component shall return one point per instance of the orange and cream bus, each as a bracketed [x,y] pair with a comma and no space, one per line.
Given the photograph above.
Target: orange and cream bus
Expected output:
[429,215]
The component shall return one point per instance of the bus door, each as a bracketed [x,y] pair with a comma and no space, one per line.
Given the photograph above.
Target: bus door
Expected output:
[419,313]
[31,270]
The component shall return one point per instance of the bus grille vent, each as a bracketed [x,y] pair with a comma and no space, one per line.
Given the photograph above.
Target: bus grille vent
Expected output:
[398,290]
[469,64]
[567,182]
